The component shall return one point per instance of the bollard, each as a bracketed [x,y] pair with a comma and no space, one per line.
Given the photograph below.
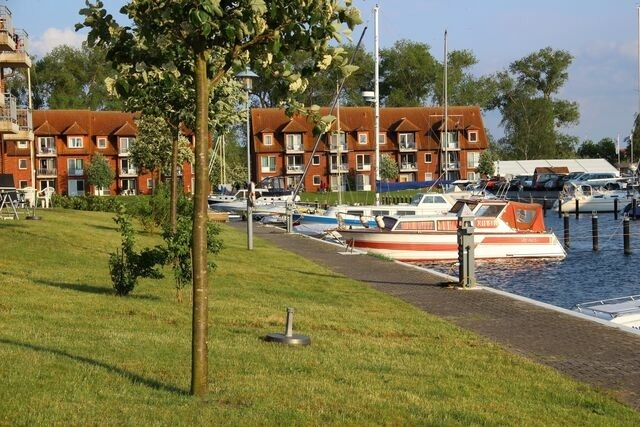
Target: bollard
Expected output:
[615,208]
[565,217]
[559,207]
[577,208]
[594,230]
[625,236]
[466,257]
[634,205]
[289,337]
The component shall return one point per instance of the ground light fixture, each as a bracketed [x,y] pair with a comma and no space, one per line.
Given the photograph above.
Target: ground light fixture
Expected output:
[288,338]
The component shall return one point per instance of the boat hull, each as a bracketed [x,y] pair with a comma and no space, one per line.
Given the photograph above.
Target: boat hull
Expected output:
[444,247]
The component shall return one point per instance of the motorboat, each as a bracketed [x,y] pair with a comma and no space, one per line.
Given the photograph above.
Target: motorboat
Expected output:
[270,193]
[501,229]
[594,197]
[623,311]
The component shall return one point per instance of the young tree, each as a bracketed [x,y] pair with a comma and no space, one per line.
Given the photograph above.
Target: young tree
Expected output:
[486,163]
[388,168]
[99,173]
[216,37]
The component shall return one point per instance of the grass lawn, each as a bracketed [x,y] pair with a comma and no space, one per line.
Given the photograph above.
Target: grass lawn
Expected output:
[72,353]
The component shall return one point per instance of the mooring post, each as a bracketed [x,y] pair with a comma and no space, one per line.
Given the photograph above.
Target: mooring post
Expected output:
[466,257]
[625,236]
[577,208]
[594,230]
[559,207]
[565,217]
[615,208]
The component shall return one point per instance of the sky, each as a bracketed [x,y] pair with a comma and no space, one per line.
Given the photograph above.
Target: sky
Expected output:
[601,35]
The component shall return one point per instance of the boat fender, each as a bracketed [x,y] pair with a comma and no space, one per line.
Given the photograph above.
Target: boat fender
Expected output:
[379,221]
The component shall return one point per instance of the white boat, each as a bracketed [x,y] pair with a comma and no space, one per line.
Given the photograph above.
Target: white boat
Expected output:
[502,229]
[623,311]
[271,194]
[594,197]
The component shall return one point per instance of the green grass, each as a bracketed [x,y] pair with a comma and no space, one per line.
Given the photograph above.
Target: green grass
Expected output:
[72,353]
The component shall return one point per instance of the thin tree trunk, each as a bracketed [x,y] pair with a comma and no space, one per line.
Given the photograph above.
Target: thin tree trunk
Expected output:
[200,352]
[173,214]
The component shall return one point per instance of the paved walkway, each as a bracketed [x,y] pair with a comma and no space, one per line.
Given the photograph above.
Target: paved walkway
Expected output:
[588,351]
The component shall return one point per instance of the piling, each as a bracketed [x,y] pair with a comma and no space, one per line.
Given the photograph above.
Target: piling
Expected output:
[594,230]
[625,236]
[577,208]
[634,205]
[544,206]
[567,242]
[559,207]
[615,208]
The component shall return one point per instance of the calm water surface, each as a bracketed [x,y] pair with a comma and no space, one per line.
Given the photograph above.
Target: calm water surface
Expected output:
[583,276]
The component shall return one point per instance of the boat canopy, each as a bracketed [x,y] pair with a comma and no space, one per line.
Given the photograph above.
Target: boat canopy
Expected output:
[524,216]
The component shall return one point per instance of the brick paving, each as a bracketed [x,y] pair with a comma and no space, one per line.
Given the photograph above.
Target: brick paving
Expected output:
[605,357]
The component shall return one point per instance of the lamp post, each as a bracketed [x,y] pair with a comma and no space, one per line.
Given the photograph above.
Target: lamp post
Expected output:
[246,77]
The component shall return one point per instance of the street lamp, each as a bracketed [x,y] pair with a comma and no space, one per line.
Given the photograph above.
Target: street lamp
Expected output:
[246,77]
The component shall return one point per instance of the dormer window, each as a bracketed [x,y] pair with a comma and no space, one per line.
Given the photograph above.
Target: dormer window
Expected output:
[267,139]
[101,142]
[75,141]
[473,136]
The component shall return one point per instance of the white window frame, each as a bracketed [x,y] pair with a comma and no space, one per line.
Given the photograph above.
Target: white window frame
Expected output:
[363,138]
[22,164]
[46,144]
[150,183]
[268,166]
[473,159]
[121,143]
[382,138]
[315,160]
[22,183]
[22,144]
[362,161]
[428,157]
[75,141]
[101,142]
[473,136]
[316,180]
[428,176]
[72,165]
[267,139]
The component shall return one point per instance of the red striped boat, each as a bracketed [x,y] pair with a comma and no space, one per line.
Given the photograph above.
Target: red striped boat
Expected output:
[502,229]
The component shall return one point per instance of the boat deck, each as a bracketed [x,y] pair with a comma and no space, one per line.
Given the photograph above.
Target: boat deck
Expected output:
[552,337]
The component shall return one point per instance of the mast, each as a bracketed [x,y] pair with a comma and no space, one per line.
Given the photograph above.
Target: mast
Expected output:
[446,114]
[339,147]
[376,127]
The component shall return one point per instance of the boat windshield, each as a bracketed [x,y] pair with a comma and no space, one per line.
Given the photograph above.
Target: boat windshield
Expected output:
[489,210]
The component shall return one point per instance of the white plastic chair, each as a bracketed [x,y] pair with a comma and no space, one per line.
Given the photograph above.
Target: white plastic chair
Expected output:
[45,197]
[29,196]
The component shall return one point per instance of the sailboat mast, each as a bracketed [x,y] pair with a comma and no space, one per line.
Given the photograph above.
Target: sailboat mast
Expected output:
[376,127]
[446,114]
[339,147]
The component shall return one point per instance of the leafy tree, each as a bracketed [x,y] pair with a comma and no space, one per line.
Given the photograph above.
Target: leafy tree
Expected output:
[388,167]
[486,163]
[604,149]
[530,115]
[99,172]
[70,78]
[206,41]
[407,74]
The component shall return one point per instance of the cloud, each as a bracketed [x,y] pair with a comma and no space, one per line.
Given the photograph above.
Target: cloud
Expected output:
[53,37]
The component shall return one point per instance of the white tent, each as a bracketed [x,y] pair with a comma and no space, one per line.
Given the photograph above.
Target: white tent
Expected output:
[509,168]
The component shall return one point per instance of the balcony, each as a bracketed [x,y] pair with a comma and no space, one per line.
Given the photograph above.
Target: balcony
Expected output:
[294,147]
[9,116]
[25,126]
[46,152]
[408,167]
[342,169]
[47,172]
[7,42]
[363,168]
[17,57]
[128,172]
[76,172]
[123,151]
[295,169]
[334,148]
[408,146]
[451,146]
[450,166]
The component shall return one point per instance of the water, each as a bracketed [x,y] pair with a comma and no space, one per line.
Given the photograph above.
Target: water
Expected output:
[584,275]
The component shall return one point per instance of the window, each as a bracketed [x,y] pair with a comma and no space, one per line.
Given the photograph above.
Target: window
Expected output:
[102,142]
[23,144]
[407,141]
[22,164]
[473,158]
[125,144]
[382,138]
[268,163]
[363,138]
[316,180]
[473,136]
[334,141]
[149,183]
[127,168]
[428,176]
[267,139]
[316,160]
[75,167]
[22,183]
[75,141]
[428,157]
[46,145]
[294,141]
[363,162]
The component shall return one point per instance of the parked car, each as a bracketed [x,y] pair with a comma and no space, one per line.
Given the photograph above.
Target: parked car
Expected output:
[521,181]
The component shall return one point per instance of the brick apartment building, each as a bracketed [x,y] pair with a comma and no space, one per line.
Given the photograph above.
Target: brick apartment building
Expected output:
[413,137]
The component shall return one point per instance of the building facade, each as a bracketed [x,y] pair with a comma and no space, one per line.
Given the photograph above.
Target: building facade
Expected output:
[414,138]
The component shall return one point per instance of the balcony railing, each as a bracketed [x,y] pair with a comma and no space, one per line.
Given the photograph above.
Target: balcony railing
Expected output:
[46,151]
[342,169]
[334,147]
[408,166]
[452,145]
[76,172]
[42,172]
[129,172]
[408,146]
[9,112]
[123,151]
[25,125]
[452,165]
[295,168]
[361,167]
[294,147]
